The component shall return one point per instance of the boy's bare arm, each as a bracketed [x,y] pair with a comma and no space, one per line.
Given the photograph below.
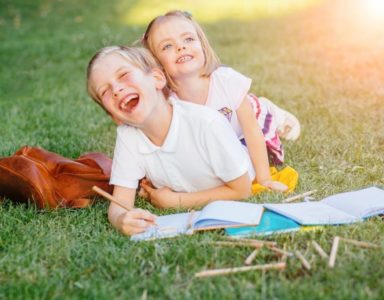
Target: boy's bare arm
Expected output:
[128,222]
[236,189]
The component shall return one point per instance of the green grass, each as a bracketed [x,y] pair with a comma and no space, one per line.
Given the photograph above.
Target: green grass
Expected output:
[320,63]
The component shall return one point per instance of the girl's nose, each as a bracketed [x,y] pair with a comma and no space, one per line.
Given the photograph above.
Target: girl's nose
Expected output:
[179,48]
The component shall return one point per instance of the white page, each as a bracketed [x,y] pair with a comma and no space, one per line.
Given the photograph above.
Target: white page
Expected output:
[230,213]
[361,204]
[312,213]
[167,226]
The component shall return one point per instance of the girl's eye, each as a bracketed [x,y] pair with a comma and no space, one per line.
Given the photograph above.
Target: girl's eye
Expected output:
[189,39]
[124,75]
[166,47]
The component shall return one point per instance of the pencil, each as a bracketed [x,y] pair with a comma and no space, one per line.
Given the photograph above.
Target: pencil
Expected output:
[215,272]
[115,200]
[110,198]
[280,251]
[238,244]
[360,243]
[304,262]
[248,261]
[332,256]
[293,198]
[319,250]
[266,243]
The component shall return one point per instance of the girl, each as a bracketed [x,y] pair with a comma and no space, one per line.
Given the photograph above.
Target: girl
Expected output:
[189,152]
[194,74]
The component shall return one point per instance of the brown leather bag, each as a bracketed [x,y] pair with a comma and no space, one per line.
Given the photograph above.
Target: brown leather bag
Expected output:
[34,175]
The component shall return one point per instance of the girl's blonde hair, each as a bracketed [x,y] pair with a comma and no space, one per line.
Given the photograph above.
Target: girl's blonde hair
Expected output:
[212,61]
[137,57]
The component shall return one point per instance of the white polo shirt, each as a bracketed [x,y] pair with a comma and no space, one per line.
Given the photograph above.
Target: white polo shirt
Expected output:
[201,151]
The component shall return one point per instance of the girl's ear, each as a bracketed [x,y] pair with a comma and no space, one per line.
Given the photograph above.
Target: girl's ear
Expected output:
[160,80]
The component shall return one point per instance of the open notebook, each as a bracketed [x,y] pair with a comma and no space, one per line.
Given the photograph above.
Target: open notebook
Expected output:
[270,223]
[341,208]
[215,215]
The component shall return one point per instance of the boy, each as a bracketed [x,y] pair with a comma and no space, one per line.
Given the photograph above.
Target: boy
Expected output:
[189,152]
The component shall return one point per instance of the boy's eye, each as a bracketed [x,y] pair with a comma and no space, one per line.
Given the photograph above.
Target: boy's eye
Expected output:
[104,93]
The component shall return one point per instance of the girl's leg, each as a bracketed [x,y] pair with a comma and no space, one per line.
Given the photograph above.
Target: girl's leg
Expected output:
[268,124]
[288,126]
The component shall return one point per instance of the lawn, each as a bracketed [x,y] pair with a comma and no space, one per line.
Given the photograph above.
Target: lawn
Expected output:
[323,62]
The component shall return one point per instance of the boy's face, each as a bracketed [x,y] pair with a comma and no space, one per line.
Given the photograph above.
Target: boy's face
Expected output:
[126,92]
[178,48]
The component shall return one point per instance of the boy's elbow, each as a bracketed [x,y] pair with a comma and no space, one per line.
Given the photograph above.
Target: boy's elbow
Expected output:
[244,187]
[245,193]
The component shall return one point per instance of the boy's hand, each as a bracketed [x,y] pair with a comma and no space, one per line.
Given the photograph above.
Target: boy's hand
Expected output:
[162,197]
[274,185]
[142,192]
[135,221]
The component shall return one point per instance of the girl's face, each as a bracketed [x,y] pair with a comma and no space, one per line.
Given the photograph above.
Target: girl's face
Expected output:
[126,92]
[178,48]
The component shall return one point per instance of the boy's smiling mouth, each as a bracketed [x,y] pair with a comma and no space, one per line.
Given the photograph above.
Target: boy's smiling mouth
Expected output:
[183,59]
[129,102]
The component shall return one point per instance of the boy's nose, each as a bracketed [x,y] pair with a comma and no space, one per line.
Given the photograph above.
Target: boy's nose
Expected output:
[117,91]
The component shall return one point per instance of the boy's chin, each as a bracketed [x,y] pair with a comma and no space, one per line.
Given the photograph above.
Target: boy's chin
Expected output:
[117,121]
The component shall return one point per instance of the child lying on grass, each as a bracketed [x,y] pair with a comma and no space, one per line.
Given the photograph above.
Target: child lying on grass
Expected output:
[189,152]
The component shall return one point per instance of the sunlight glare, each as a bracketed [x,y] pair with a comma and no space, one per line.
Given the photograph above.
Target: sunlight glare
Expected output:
[214,10]
[374,8]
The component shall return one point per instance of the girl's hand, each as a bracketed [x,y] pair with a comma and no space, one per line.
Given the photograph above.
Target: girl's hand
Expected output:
[274,185]
[162,197]
[135,221]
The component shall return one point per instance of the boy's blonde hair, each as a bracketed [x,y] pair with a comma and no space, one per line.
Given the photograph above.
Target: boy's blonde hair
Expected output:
[212,61]
[137,57]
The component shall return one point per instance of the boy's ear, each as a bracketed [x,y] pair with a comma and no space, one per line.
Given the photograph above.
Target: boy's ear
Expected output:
[160,80]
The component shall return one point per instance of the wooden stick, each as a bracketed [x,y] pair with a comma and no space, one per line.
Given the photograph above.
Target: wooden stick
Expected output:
[110,197]
[239,244]
[297,197]
[248,261]
[267,243]
[280,251]
[360,243]
[332,256]
[216,272]
[319,250]
[304,262]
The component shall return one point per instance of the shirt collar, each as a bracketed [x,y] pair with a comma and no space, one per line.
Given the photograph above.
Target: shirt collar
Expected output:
[170,142]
